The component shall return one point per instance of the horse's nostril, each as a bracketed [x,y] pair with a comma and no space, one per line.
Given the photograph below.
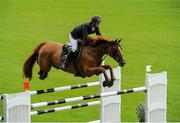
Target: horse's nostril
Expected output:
[122,64]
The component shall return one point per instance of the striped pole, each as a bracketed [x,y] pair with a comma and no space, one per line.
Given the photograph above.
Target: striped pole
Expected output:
[36,105]
[65,108]
[71,87]
[1,118]
[1,97]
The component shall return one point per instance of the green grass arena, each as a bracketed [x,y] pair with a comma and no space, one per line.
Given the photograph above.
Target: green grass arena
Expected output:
[151,34]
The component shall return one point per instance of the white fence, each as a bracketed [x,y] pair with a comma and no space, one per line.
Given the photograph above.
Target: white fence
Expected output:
[17,107]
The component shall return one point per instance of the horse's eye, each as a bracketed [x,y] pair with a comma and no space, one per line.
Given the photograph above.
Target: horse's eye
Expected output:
[115,51]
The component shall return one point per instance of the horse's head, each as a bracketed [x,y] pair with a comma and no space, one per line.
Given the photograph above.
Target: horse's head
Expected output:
[116,52]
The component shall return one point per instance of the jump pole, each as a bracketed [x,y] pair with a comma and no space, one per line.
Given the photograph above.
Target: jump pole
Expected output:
[88,97]
[65,108]
[57,89]
[1,97]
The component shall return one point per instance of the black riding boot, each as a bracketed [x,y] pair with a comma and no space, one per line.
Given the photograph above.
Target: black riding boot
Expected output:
[68,58]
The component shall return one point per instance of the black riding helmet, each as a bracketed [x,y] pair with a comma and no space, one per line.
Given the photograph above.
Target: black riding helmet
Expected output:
[96,19]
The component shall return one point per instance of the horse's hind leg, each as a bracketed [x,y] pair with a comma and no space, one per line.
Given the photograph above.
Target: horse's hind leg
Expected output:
[44,69]
[42,75]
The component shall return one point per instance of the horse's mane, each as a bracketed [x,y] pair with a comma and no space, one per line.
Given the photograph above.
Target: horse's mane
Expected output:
[101,41]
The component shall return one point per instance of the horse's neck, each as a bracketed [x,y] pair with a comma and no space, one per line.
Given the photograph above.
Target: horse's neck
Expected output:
[103,48]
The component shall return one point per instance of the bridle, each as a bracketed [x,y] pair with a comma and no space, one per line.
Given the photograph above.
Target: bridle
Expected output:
[107,51]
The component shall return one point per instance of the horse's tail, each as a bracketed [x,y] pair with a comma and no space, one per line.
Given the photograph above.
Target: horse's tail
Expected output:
[29,63]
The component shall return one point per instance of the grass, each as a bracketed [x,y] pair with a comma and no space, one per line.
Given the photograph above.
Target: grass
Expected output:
[150,30]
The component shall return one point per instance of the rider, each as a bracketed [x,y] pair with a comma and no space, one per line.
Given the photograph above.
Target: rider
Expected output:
[81,32]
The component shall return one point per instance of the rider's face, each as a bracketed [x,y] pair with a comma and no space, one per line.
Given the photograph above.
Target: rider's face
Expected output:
[97,24]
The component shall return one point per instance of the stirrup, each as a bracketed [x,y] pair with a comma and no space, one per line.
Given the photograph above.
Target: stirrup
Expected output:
[63,66]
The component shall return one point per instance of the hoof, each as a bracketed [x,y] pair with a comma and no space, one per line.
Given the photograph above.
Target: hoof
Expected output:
[42,77]
[105,83]
[113,79]
[39,73]
[111,84]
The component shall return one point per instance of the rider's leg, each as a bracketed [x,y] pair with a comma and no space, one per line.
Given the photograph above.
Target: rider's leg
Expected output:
[66,57]
[73,43]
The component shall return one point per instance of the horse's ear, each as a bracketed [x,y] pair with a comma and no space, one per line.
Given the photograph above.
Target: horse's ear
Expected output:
[119,40]
[116,40]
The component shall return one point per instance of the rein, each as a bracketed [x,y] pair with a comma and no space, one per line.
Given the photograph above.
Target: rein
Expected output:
[104,57]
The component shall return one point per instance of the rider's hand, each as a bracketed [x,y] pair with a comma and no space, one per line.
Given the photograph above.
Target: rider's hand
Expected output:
[99,37]
[92,38]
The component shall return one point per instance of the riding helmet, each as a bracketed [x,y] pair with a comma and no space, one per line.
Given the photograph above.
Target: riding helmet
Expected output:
[96,19]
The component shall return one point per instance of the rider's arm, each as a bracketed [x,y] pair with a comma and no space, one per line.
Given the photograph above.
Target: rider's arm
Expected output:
[98,31]
[85,35]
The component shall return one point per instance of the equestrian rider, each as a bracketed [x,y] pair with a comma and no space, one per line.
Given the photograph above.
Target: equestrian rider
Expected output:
[81,32]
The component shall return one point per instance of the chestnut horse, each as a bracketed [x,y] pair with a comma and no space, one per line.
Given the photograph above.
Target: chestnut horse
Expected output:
[47,54]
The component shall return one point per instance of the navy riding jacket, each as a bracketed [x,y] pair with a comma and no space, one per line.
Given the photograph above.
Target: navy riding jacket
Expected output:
[82,31]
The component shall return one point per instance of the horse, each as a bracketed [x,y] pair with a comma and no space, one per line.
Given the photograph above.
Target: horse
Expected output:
[89,62]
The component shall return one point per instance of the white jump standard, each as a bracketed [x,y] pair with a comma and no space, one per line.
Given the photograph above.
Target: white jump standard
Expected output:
[17,107]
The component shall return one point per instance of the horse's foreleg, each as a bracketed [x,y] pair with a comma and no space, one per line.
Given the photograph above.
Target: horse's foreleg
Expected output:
[98,70]
[111,72]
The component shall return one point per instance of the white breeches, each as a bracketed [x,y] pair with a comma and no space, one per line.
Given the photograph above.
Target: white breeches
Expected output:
[73,43]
